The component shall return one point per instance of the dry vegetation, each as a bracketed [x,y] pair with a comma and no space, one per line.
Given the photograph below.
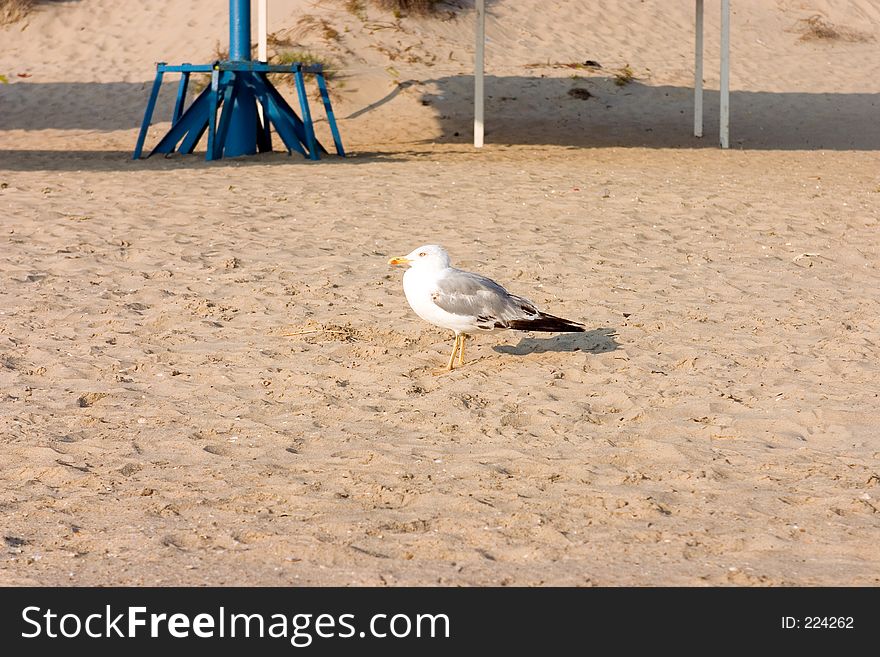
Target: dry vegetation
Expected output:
[305,25]
[624,76]
[283,48]
[12,11]
[402,7]
[399,8]
[817,28]
[356,8]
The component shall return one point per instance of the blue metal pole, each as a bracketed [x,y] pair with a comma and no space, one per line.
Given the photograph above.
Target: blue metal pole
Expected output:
[242,136]
[240,30]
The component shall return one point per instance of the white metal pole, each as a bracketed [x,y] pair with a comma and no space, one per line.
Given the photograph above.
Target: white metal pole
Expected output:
[724,119]
[262,41]
[698,70]
[479,66]
[262,30]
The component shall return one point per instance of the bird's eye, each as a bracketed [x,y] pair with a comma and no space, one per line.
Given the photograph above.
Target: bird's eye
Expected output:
[422,254]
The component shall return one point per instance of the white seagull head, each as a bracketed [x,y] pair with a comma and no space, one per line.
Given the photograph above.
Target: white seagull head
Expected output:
[429,257]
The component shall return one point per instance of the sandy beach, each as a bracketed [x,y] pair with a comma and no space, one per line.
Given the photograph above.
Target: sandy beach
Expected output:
[210,376]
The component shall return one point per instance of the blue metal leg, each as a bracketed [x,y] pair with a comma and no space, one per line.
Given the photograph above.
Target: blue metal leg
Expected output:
[290,127]
[148,115]
[195,118]
[284,126]
[286,109]
[331,118]
[181,97]
[192,138]
[306,114]
[229,94]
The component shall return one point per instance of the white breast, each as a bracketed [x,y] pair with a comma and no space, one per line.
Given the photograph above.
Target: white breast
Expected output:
[418,287]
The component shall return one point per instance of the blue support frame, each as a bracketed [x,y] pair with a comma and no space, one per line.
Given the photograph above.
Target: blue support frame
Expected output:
[248,82]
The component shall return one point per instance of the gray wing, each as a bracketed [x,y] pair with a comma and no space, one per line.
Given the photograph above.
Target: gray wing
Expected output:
[472,295]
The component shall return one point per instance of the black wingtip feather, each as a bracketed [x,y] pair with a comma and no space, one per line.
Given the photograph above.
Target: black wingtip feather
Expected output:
[547,323]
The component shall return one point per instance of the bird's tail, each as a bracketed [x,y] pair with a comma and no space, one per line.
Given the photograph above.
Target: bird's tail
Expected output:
[548,323]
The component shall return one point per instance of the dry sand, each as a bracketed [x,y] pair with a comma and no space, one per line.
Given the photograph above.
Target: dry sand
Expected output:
[209,375]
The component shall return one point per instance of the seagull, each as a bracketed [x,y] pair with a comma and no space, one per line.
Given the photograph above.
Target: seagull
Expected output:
[466,303]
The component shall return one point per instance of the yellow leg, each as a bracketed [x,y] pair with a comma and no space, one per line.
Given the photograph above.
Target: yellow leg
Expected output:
[452,357]
[461,350]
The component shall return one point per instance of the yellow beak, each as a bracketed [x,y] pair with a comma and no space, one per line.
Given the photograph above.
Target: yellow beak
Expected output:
[402,260]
